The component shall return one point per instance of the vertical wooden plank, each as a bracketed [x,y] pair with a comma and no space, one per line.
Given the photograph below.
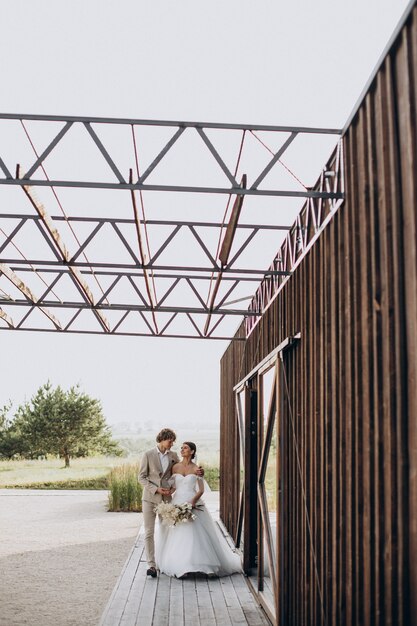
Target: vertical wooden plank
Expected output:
[221,615]
[406,98]
[147,606]
[326,546]
[399,396]
[205,607]
[162,606]
[385,347]
[334,568]
[322,547]
[278,417]
[364,394]
[234,608]
[134,599]
[345,590]
[252,613]
[191,615]
[314,500]
[307,478]
[355,349]
[176,603]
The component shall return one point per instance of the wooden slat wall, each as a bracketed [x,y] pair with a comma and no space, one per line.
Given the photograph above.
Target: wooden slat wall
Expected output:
[352,379]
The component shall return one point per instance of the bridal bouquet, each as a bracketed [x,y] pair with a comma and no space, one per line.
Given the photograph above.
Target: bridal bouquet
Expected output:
[173,514]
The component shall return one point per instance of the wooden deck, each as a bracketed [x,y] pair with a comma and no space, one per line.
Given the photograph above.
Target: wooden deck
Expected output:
[164,601]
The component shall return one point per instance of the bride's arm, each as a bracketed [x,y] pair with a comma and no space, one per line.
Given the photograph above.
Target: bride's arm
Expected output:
[200,485]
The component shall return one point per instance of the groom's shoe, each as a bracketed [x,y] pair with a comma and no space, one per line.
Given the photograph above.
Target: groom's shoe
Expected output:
[151,571]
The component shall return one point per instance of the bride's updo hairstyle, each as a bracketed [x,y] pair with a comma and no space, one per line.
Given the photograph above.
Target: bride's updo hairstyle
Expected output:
[193,447]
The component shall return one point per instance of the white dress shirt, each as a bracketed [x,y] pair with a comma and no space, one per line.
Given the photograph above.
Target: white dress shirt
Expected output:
[164,458]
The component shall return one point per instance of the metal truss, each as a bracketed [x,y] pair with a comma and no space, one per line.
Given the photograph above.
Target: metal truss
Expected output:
[310,222]
[62,288]
[121,181]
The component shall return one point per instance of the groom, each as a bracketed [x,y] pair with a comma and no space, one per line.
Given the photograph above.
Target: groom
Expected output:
[154,473]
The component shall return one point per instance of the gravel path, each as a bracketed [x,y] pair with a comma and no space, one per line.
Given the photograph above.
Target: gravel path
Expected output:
[61,553]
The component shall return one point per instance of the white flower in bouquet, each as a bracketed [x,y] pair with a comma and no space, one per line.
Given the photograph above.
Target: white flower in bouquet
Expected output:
[173,514]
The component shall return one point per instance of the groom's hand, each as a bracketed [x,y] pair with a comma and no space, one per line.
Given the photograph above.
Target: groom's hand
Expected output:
[200,471]
[163,492]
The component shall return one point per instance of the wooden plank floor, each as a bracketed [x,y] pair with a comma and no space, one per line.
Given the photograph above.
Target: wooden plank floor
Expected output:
[164,601]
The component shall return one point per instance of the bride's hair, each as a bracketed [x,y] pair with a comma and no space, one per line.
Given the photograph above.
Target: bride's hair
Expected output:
[193,447]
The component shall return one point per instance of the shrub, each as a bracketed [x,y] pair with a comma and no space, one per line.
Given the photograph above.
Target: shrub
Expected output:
[125,491]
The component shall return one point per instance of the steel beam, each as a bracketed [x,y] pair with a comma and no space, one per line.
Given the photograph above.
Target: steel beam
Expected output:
[126,334]
[145,122]
[127,266]
[142,252]
[139,274]
[125,307]
[120,220]
[172,188]
[225,249]
[231,226]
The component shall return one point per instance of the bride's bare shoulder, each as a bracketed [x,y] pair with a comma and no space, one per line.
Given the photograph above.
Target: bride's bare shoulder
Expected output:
[176,468]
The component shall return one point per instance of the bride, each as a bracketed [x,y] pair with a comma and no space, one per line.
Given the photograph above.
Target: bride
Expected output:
[196,546]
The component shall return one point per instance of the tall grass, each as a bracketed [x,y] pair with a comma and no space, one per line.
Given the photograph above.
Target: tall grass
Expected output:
[212,476]
[125,491]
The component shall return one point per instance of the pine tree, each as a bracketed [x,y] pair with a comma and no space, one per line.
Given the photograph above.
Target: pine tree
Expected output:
[70,424]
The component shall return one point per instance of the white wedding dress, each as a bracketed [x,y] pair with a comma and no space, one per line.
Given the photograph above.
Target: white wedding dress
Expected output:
[196,546]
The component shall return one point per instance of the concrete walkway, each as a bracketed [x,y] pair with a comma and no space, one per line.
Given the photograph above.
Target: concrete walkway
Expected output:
[61,554]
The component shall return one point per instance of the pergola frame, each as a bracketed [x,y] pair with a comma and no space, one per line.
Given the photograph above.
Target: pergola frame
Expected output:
[221,266]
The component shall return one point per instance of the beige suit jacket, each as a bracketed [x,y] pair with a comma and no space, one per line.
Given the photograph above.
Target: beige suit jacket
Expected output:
[151,476]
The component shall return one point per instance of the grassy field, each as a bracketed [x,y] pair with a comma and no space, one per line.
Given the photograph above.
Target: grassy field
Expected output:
[88,473]
[52,471]
[92,472]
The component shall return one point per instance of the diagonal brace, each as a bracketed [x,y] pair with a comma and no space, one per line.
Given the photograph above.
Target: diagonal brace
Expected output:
[48,150]
[104,152]
[217,156]
[161,155]
[274,159]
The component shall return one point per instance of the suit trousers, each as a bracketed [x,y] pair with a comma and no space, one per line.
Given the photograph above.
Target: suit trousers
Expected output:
[149,517]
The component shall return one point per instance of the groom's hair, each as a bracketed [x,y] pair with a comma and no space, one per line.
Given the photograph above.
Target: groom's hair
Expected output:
[166,433]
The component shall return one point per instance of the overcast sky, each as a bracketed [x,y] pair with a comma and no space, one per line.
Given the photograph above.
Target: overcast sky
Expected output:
[294,63]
